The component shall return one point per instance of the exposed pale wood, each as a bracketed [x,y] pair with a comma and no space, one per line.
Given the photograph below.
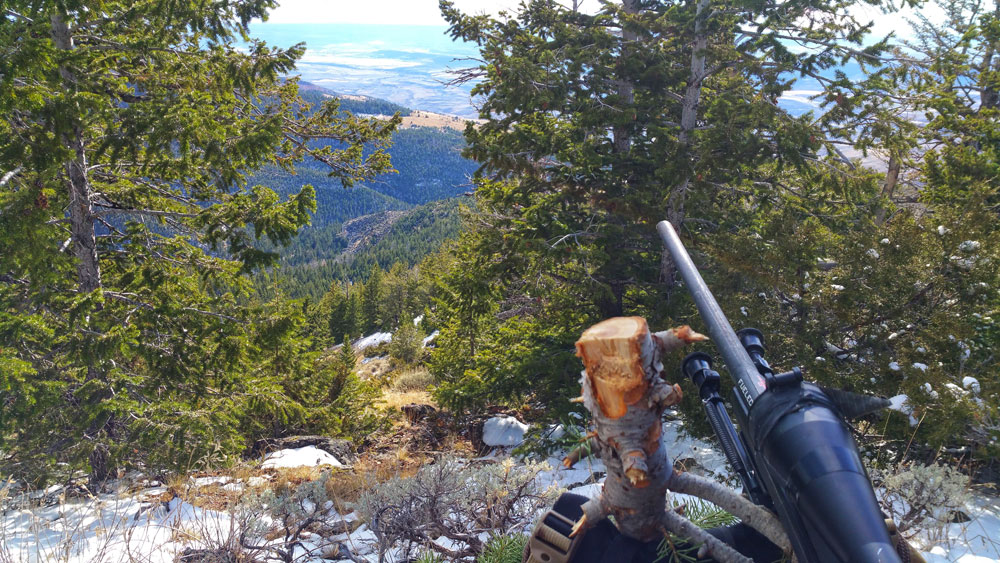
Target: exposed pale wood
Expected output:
[610,351]
[624,390]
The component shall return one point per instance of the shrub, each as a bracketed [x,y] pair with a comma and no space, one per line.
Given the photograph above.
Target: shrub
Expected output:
[417,379]
[457,501]
[275,524]
[924,497]
[406,344]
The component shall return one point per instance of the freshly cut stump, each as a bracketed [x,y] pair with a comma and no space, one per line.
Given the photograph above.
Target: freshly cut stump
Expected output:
[625,392]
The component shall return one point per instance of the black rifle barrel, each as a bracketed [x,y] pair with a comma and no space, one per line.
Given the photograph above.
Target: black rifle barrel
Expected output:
[738,362]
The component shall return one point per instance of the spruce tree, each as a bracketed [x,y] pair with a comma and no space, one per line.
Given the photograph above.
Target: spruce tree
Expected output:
[372,302]
[127,133]
[597,126]
[406,343]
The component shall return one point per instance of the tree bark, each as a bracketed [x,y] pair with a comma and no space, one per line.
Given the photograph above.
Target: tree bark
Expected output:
[84,239]
[625,392]
[989,97]
[891,181]
[81,210]
[689,112]
[626,91]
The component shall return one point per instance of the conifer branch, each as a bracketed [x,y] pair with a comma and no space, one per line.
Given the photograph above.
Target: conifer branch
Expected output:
[711,545]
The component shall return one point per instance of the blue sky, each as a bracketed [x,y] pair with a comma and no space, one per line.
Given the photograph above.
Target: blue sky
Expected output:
[396,12]
[425,12]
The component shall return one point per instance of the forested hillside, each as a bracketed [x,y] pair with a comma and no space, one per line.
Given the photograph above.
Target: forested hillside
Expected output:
[318,257]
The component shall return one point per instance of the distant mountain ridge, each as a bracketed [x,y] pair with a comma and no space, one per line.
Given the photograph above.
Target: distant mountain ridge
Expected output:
[396,217]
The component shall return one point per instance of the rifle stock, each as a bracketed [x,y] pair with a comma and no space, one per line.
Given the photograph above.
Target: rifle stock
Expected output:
[794,451]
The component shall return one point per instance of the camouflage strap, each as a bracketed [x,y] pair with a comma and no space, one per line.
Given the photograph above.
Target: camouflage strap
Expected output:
[907,553]
[550,541]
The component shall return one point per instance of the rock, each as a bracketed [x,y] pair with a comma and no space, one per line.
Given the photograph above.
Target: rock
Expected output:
[343,450]
[415,413]
[471,428]
[504,431]
[958,517]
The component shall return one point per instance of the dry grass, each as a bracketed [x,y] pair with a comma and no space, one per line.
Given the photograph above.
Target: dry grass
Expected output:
[431,119]
[376,369]
[413,379]
[392,399]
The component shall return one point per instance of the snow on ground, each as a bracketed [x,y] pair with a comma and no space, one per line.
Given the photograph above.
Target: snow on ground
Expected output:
[977,541]
[372,340]
[139,526]
[110,528]
[308,456]
[430,337]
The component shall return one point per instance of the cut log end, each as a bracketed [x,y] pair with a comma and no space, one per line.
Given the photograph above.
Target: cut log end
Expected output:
[612,355]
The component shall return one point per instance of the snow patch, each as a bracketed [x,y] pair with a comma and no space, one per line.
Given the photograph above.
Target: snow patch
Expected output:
[308,456]
[373,340]
[430,338]
[971,383]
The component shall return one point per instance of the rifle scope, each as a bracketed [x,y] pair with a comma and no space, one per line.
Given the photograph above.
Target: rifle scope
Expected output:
[794,437]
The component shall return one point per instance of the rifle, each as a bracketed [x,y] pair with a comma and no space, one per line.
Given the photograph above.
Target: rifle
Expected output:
[794,452]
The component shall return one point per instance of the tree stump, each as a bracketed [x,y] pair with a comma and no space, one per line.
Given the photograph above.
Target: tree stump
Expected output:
[623,388]
[625,394]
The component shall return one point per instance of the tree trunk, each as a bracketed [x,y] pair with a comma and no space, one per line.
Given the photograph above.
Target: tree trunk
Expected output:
[625,392]
[621,138]
[989,97]
[84,240]
[891,181]
[689,112]
[81,211]
[689,120]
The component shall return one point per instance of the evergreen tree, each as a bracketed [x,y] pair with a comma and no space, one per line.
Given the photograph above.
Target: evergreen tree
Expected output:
[406,343]
[373,302]
[343,369]
[127,132]
[598,126]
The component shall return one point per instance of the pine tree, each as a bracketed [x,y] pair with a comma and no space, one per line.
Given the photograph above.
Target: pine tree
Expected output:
[343,369]
[598,126]
[127,133]
[372,302]
[406,343]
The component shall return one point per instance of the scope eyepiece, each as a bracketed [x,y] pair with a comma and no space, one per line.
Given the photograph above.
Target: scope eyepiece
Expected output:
[752,340]
[697,367]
